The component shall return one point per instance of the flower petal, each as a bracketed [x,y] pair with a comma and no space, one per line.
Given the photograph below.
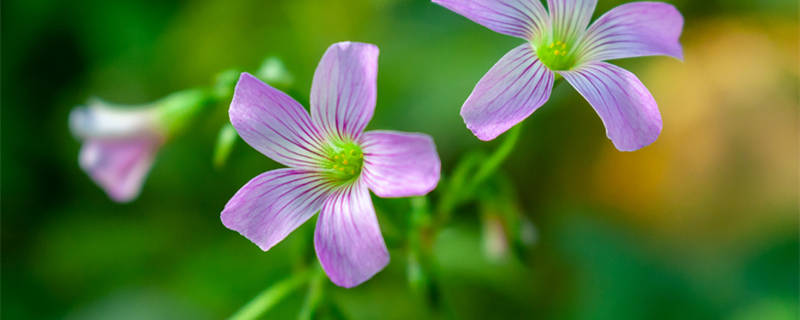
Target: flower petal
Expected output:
[399,164]
[119,166]
[626,107]
[274,124]
[570,18]
[633,30]
[344,89]
[348,239]
[519,18]
[273,204]
[512,89]
[102,120]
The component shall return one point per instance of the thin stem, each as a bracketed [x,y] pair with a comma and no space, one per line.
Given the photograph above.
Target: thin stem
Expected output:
[454,190]
[419,221]
[420,272]
[268,298]
[314,295]
[496,159]
[461,187]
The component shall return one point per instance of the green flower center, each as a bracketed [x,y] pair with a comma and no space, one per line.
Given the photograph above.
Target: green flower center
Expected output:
[556,55]
[344,161]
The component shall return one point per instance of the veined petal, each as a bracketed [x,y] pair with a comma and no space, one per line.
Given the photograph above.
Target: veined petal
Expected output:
[273,204]
[399,164]
[512,89]
[632,30]
[626,107]
[344,89]
[119,166]
[274,124]
[570,18]
[519,18]
[348,239]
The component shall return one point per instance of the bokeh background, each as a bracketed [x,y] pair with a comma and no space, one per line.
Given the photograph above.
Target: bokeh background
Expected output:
[703,224]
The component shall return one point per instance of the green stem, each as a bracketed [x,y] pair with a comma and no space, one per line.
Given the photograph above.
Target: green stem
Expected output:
[419,221]
[268,298]
[495,160]
[314,295]
[461,187]
[421,268]
[453,191]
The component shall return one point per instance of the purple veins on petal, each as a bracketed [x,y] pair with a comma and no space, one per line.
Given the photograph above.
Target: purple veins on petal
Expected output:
[570,17]
[344,89]
[333,163]
[504,97]
[275,203]
[119,166]
[633,30]
[518,18]
[348,238]
[274,124]
[627,108]
[399,164]
[512,89]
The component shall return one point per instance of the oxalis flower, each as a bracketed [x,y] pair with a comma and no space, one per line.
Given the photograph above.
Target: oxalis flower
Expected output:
[560,45]
[121,142]
[332,164]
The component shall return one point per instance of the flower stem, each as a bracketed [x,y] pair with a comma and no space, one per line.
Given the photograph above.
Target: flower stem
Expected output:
[421,267]
[268,298]
[314,295]
[461,187]
[496,159]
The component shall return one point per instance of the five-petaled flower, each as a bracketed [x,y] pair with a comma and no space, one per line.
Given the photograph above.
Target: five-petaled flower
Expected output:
[559,44]
[332,164]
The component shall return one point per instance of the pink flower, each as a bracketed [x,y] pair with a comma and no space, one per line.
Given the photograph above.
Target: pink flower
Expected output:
[119,146]
[120,143]
[559,44]
[332,163]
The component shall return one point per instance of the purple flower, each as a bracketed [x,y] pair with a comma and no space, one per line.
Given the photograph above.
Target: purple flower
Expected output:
[559,44]
[120,143]
[332,164]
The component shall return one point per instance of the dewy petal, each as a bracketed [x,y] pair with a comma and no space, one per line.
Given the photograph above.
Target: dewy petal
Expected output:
[273,204]
[399,164]
[344,89]
[512,89]
[626,107]
[519,18]
[274,124]
[119,166]
[348,239]
[633,30]
[570,18]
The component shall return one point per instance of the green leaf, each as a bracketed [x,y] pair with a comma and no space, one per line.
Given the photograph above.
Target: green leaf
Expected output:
[225,142]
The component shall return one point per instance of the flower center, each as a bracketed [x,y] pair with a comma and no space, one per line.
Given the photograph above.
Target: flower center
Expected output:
[344,161]
[556,55]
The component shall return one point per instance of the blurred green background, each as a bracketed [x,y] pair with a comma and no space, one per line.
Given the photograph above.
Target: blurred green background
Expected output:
[703,224]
